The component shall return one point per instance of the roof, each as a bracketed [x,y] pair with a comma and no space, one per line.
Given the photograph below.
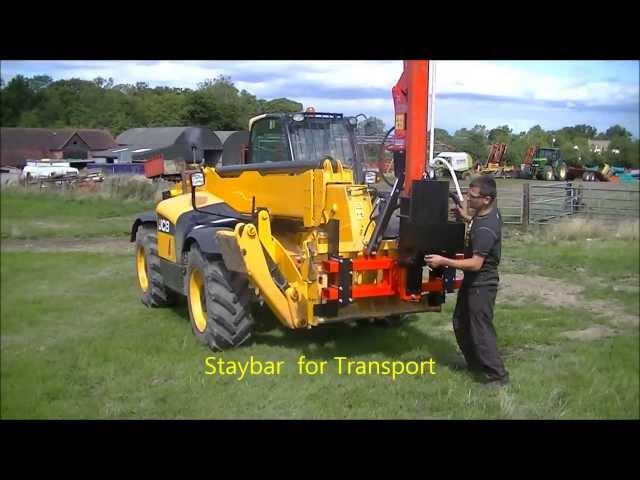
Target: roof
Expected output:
[603,143]
[175,143]
[156,137]
[95,139]
[39,138]
[19,144]
[224,134]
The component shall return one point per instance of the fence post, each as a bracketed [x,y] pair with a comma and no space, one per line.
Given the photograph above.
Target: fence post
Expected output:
[574,197]
[525,205]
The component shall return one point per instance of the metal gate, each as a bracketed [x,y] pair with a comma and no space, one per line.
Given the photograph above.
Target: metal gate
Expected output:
[552,201]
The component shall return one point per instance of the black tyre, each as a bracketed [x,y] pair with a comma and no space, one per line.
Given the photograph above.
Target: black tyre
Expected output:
[547,173]
[154,293]
[561,172]
[219,302]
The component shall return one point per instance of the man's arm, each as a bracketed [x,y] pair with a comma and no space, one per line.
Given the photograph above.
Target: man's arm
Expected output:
[482,242]
[472,264]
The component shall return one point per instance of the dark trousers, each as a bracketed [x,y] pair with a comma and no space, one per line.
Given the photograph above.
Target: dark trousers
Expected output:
[476,336]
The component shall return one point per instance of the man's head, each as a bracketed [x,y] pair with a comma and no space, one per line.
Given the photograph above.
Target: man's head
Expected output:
[482,192]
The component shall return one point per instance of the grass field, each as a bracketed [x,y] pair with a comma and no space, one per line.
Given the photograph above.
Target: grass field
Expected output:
[25,215]
[76,342]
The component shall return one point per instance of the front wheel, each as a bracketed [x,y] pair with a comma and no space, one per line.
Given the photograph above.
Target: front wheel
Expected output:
[547,173]
[219,302]
[154,293]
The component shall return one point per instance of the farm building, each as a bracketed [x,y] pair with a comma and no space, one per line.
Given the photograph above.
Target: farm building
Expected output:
[171,143]
[233,142]
[21,144]
[175,143]
[599,146]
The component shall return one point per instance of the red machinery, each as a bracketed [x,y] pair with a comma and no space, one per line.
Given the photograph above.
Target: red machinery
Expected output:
[423,203]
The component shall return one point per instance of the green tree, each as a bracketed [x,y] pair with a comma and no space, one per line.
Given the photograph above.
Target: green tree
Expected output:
[39,82]
[617,131]
[501,134]
[216,104]
[472,141]
[15,98]
[622,152]
[283,105]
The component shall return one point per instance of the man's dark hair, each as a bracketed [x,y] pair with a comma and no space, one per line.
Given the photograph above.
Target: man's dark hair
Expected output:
[486,184]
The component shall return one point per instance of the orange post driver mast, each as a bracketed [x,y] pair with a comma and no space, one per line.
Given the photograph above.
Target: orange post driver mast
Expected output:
[411,113]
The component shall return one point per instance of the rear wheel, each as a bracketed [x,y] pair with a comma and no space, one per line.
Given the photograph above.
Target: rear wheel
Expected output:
[154,293]
[219,306]
[561,172]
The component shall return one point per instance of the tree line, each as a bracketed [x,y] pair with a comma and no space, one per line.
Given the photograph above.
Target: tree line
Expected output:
[218,104]
[40,102]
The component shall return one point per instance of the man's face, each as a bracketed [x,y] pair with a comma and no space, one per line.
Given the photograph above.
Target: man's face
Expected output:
[475,200]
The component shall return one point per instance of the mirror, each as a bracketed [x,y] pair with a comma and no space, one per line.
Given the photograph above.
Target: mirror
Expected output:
[371,177]
[197,179]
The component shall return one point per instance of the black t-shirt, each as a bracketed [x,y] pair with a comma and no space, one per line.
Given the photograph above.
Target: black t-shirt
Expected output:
[484,238]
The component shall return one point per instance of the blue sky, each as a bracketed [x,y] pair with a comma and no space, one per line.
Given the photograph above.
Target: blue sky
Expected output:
[520,94]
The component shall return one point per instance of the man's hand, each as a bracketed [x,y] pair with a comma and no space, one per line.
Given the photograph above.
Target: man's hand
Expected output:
[435,261]
[463,210]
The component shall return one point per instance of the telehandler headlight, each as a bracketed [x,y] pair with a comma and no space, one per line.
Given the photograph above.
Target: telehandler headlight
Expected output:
[353,121]
[298,117]
[197,179]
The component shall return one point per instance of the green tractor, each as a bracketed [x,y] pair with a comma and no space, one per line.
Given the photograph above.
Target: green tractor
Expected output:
[547,164]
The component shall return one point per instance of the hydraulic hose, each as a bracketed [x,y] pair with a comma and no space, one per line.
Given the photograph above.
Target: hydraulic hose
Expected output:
[453,175]
[381,157]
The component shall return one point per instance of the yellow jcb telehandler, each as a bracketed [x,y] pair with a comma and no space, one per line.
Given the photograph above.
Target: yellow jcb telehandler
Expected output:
[297,228]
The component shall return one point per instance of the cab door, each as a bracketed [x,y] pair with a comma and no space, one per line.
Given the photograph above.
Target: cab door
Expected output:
[268,142]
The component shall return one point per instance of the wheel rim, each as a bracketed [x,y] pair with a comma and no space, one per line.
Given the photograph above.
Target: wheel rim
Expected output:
[196,300]
[563,173]
[141,267]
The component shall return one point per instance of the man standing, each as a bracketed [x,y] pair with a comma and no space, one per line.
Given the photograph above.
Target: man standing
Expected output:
[473,315]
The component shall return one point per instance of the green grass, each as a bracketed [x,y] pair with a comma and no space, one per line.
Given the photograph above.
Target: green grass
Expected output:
[76,342]
[81,345]
[26,215]
[608,269]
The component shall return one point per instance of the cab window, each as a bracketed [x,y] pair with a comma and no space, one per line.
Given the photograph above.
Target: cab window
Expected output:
[268,142]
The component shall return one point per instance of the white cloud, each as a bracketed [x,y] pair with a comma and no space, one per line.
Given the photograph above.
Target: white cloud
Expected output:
[504,80]
[310,82]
